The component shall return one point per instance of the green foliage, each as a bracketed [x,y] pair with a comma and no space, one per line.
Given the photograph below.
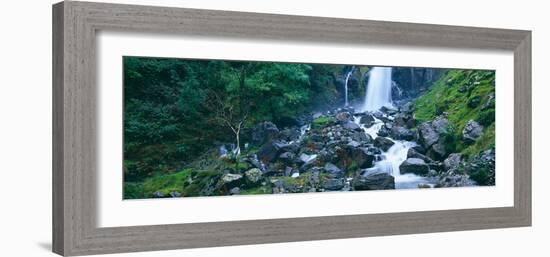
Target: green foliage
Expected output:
[166,183]
[322,121]
[451,94]
[172,106]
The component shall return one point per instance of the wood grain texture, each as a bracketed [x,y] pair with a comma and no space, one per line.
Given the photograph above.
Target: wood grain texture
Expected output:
[74,124]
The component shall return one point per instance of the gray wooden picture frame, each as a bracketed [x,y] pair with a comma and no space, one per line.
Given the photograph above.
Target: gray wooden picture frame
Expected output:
[75,25]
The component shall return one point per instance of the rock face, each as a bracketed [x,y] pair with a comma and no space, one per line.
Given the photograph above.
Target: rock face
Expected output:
[415,166]
[264,132]
[472,131]
[374,180]
[383,143]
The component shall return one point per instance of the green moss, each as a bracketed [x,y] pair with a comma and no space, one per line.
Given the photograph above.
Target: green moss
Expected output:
[166,183]
[322,121]
[486,141]
[451,94]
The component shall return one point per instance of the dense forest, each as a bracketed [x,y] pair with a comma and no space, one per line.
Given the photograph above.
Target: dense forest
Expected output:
[211,127]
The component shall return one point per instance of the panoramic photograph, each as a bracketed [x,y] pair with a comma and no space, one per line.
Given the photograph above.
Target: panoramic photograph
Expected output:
[219,128]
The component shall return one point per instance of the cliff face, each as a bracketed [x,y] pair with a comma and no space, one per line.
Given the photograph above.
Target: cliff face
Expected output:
[411,82]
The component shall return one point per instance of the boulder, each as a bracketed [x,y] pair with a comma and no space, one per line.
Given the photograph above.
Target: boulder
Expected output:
[373,180]
[308,160]
[440,124]
[264,132]
[235,191]
[438,151]
[174,194]
[350,125]
[472,131]
[490,102]
[288,158]
[231,180]
[344,117]
[407,108]
[253,175]
[414,165]
[333,170]
[367,120]
[413,153]
[474,101]
[361,136]
[452,161]
[362,157]
[271,150]
[427,136]
[334,184]
[383,143]
[401,133]
[290,134]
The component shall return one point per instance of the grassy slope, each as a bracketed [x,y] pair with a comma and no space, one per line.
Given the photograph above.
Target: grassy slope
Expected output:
[445,96]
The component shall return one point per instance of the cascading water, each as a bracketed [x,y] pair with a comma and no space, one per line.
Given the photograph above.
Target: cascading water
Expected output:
[346,86]
[391,160]
[378,89]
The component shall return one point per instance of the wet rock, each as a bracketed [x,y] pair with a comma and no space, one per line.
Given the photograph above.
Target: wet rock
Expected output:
[415,166]
[383,143]
[374,180]
[472,131]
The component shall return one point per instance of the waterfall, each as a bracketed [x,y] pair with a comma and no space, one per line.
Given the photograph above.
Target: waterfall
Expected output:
[378,89]
[346,86]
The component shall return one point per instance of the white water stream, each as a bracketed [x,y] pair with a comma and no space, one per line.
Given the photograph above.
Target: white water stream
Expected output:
[378,89]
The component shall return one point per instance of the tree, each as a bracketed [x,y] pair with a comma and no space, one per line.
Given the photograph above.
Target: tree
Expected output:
[229,113]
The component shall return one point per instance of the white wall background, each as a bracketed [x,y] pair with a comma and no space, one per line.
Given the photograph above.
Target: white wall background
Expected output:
[25,128]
